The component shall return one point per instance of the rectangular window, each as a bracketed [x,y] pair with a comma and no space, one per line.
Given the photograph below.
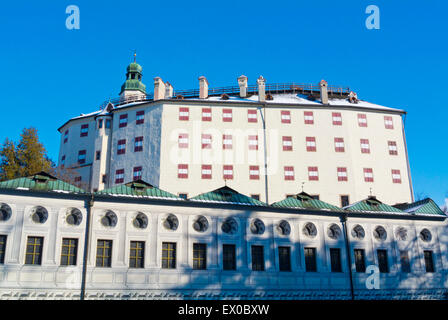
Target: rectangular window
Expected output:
[404,259]
[362,120]
[315,196]
[123,121]
[206,141]
[98,155]
[337,118]
[65,136]
[342,174]
[289,173]
[368,175]
[396,176]
[335,259]
[228,172]
[313,174]
[169,255]
[183,140]
[104,253]
[284,258]
[252,115]
[137,173]
[182,171]
[253,142]
[255,196]
[104,178]
[227,115]
[254,172]
[199,256]
[392,145]
[121,147]
[139,117]
[108,124]
[309,117]
[229,257]
[137,254]
[100,123]
[344,201]
[2,248]
[285,116]
[360,260]
[119,176]
[388,123]
[69,252]
[429,261]
[206,171]
[138,144]
[183,196]
[310,260]
[206,114]
[78,179]
[81,156]
[33,254]
[310,144]
[287,143]
[382,260]
[257,258]
[365,146]
[227,141]
[184,114]
[339,145]
[84,130]
[63,160]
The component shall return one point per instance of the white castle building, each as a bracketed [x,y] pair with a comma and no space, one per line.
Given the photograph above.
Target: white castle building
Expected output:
[200,195]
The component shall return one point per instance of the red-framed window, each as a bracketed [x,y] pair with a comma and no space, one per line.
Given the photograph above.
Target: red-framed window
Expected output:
[119,176]
[65,136]
[227,115]
[227,172]
[309,117]
[396,176]
[182,171]
[254,172]
[342,174]
[289,172]
[63,160]
[362,119]
[184,113]
[285,116]
[183,140]
[206,114]
[339,145]
[337,118]
[78,179]
[365,146]
[252,115]
[253,142]
[138,144]
[388,122]
[393,150]
[121,146]
[140,117]
[206,141]
[227,141]
[310,144]
[84,130]
[368,175]
[81,156]
[206,171]
[137,173]
[287,143]
[313,174]
[123,121]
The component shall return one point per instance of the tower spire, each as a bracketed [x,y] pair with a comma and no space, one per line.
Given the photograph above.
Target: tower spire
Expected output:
[135,55]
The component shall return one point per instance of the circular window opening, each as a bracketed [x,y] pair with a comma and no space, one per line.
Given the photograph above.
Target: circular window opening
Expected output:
[140,221]
[171,222]
[201,224]
[39,214]
[402,234]
[109,219]
[380,233]
[334,231]
[229,226]
[5,212]
[74,217]
[284,228]
[358,232]
[425,235]
[257,226]
[310,230]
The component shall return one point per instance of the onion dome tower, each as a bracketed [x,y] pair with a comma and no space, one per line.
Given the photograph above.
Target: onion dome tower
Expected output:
[133,86]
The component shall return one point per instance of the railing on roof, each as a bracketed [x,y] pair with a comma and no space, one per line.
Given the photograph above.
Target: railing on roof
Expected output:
[298,88]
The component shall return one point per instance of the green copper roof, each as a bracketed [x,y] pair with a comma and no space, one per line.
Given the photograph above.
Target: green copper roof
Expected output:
[372,204]
[134,67]
[227,195]
[425,206]
[133,78]
[138,188]
[41,181]
[305,201]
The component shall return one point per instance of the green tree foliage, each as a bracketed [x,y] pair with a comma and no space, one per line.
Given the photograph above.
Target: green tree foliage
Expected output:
[25,159]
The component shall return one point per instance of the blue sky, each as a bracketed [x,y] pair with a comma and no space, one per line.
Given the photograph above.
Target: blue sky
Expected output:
[50,74]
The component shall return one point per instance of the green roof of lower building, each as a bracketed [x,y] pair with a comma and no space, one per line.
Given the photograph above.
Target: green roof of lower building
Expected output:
[425,206]
[305,201]
[138,188]
[227,195]
[372,204]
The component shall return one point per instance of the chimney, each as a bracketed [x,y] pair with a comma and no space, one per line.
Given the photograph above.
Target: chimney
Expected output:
[169,90]
[323,91]
[159,89]
[203,87]
[242,82]
[261,82]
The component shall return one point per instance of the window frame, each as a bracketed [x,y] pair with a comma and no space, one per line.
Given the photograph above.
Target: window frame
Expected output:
[72,252]
[106,260]
[37,251]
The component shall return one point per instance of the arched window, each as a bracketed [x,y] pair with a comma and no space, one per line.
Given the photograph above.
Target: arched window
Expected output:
[425,235]
[140,221]
[39,214]
[380,233]
[310,230]
[200,224]
[229,226]
[171,222]
[257,226]
[358,232]
[334,231]
[5,212]
[74,217]
[284,228]
[110,219]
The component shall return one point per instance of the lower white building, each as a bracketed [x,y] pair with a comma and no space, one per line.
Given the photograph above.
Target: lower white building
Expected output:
[135,241]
